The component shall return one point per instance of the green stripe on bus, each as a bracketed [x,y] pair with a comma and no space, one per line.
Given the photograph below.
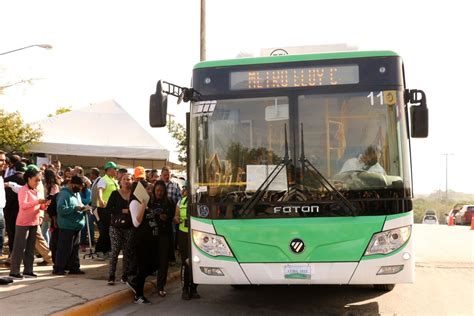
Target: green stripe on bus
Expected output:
[292,58]
[327,239]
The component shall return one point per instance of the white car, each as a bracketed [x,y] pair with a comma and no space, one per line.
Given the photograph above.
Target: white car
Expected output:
[430,219]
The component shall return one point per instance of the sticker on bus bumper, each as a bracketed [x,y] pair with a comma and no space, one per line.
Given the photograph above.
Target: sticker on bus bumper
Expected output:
[297,272]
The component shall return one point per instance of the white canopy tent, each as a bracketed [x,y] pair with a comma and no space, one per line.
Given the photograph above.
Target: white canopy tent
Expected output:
[92,135]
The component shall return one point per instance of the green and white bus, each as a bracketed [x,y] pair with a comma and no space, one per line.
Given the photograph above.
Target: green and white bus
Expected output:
[299,168]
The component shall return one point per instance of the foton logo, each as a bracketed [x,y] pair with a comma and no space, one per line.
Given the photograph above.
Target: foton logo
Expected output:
[295,209]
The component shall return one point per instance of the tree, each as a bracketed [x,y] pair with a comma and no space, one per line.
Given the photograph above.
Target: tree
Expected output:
[15,135]
[60,110]
[178,132]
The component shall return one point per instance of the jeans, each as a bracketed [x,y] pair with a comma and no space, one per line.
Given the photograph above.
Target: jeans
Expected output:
[2,230]
[45,231]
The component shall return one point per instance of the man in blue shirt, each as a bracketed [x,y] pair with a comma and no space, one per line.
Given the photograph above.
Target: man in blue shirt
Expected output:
[71,220]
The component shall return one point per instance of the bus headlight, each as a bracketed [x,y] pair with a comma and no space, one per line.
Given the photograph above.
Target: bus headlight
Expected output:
[388,241]
[211,244]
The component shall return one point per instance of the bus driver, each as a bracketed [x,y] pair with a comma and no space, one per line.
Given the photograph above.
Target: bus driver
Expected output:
[367,161]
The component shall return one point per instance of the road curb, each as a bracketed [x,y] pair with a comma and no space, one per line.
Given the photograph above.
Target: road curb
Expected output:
[107,303]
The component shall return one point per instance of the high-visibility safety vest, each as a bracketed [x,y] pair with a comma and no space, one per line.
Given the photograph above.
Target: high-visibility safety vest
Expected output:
[112,185]
[183,216]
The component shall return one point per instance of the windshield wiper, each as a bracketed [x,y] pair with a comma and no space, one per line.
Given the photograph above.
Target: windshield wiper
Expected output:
[321,179]
[268,180]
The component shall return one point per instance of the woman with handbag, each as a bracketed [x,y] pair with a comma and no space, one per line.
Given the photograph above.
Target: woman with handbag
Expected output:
[120,228]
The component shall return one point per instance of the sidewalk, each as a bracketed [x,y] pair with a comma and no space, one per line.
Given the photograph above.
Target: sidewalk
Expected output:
[76,294]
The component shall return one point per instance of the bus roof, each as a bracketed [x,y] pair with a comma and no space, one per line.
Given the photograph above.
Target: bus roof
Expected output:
[291,58]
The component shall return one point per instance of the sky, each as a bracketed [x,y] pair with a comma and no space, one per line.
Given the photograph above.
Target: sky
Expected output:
[119,49]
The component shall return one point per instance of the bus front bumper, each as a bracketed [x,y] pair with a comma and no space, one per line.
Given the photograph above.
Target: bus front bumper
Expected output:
[390,269]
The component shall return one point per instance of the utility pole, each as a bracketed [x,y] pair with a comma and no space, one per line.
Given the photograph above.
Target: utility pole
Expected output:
[446,188]
[203,30]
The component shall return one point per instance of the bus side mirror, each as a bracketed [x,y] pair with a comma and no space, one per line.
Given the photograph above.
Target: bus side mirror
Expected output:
[158,107]
[418,113]
[419,121]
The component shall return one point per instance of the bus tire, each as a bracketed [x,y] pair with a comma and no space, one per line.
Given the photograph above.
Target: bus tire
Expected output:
[384,287]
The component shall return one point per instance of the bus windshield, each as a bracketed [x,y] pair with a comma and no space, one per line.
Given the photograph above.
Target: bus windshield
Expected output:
[357,141]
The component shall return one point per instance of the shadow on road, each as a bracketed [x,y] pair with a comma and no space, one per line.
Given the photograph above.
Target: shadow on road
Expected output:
[319,299]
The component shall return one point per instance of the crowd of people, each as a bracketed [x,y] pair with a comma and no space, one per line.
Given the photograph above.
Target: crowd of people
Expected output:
[54,212]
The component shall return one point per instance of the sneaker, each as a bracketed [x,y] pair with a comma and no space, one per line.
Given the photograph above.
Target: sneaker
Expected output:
[111,280]
[131,286]
[77,272]
[195,295]
[17,276]
[30,275]
[83,248]
[124,279]
[141,300]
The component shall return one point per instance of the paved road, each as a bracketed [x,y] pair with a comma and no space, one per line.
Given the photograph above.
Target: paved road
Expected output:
[444,286]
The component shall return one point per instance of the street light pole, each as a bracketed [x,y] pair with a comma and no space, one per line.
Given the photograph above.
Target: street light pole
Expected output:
[446,155]
[203,30]
[45,46]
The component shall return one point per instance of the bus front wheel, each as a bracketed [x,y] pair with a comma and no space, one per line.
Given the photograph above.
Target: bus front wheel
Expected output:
[384,287]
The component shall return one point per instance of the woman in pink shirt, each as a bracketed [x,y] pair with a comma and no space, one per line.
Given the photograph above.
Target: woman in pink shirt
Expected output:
[26,225]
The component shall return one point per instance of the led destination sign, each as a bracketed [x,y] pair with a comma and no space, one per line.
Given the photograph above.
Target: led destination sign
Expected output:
[294,77]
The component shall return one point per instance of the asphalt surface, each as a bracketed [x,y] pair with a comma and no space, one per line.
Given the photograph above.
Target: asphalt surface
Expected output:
[444,286]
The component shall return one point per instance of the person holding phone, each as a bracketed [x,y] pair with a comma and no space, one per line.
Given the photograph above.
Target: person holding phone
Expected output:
[71,219]
[26,225]
[161,205]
